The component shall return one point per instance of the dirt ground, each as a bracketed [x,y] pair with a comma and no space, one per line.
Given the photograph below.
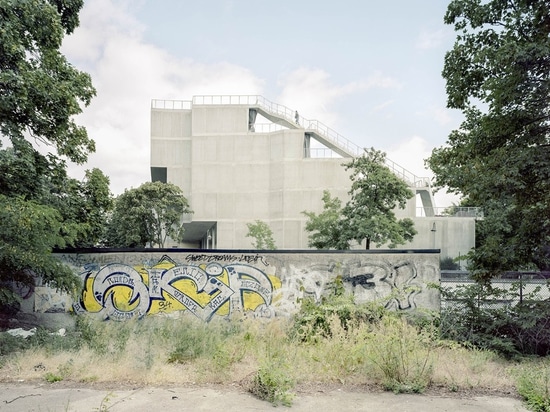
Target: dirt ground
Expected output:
[66,396]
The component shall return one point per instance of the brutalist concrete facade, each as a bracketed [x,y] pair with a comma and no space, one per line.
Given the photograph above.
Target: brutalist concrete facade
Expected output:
[242,158]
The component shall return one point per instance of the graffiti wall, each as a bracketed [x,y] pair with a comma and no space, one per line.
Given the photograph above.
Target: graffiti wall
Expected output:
[207,284]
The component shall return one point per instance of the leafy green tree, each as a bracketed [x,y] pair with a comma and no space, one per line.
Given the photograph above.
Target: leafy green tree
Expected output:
[40,93]
[262,235]
[28,232]
[148,214]
[84,205]
[369,214]
[325,228]
[498,74]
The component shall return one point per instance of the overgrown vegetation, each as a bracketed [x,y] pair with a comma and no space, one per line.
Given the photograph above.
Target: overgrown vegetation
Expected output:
[533,384]
[495,319]
[334,341]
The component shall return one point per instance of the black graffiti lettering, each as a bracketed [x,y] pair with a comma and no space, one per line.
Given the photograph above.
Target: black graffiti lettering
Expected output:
[226,258]
[186,301]
[363,280]
[118,315]
[217,301]
[255,286]
[120,280]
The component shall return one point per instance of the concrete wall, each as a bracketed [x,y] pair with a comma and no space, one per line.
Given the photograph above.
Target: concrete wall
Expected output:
[206,284]
[233,176]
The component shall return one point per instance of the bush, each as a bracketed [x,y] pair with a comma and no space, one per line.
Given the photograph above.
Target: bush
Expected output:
[272,383]
[448,263]
[403,354]
[494,319]
[314,319]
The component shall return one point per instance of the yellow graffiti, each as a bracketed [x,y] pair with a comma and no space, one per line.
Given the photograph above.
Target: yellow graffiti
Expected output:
[118,291]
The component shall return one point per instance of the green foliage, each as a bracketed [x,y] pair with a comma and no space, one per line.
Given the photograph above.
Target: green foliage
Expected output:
[375,192]
[533,384]
[262,235]
[200,340]
[149,214]
[40,95]
[314,319]
[483,316]
[28,233]
[369,214]
[403,353]
[498,74]
[448,263]
[272,383]
[40,91]
[51,377]
[325,228]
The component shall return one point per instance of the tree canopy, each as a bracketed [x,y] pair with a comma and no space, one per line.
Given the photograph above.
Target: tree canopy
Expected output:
[40,93]
[262,235]
[148,215]
[498,74]
[369,214]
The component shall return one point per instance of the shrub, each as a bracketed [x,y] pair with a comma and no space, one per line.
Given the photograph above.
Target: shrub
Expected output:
[314,319]
[448,263]
[494,319]
[403,354]
[272,383]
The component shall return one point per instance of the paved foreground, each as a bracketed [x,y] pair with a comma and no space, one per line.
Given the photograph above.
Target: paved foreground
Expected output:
[47,397]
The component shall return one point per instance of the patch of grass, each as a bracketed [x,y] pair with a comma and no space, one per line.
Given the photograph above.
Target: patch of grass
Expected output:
[266,354]
[404,355]
[273,383]
[533,384]
[51,377]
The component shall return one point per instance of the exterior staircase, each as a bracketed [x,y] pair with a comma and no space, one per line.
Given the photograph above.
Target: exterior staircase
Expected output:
[288,118]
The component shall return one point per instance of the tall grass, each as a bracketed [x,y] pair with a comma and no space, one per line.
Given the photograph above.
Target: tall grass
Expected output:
[533,384]
[267,357]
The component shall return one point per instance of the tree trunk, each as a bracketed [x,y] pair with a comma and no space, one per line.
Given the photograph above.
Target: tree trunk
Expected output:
[367,246]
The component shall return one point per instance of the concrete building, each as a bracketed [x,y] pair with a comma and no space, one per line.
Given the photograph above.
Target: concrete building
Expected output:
[244,158]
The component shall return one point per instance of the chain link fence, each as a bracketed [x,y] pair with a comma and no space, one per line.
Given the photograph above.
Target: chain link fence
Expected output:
[511,317]
[509,289]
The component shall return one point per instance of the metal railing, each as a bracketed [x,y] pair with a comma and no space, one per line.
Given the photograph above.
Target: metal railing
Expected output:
[171,104]
[290,116]
[452,211]
[321,153]
[509,289]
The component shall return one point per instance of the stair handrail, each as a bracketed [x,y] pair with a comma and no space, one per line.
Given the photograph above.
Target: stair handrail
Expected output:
[290,116]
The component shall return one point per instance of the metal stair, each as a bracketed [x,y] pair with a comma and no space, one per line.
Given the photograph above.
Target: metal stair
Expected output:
[286,117]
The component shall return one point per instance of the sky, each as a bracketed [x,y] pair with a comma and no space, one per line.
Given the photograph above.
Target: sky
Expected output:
[370,70]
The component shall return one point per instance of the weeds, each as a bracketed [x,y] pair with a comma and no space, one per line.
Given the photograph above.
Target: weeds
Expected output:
[533,384]
[273,383]
[339,342]
[403,354]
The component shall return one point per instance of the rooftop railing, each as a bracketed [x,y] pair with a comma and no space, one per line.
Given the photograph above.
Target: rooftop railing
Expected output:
[452,211]
[290,116]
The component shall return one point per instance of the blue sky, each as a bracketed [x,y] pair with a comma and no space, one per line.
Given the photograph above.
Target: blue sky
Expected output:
[371,70]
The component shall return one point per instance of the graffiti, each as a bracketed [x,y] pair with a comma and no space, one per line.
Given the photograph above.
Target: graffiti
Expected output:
[120,292]
[250,259]
[363,280]
[207,285]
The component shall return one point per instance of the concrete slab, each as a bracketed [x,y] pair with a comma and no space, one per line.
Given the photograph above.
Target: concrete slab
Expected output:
[50,397]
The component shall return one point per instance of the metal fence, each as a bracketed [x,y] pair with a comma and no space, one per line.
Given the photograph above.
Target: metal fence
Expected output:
[507,290]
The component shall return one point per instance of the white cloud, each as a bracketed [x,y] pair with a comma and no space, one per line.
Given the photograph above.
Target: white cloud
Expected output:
[311,92]
[128,73]
[431,39]
[410,154]
[440,115]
